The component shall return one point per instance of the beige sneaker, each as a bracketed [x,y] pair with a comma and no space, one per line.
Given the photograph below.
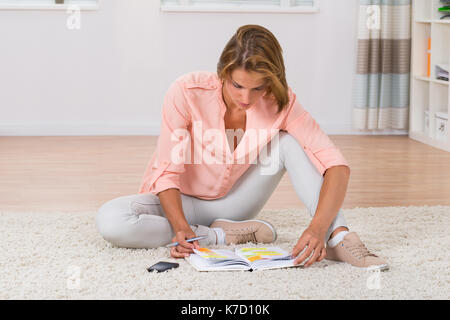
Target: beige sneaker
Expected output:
[352,250]
[237,232]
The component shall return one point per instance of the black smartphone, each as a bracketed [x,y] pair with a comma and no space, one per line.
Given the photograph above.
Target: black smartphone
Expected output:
[162,266]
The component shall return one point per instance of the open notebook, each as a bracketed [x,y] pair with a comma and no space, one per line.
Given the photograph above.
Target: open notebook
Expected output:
[241,259]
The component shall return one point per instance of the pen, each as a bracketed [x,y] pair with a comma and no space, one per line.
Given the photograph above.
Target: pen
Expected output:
[188,240]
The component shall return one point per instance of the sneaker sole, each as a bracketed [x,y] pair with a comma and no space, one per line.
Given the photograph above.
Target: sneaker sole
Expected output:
[254,220]
[381,267]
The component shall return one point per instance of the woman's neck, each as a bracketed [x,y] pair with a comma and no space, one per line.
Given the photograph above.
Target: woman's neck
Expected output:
[231,109]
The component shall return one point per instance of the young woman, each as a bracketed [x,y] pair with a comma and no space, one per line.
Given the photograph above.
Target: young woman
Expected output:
[209,174]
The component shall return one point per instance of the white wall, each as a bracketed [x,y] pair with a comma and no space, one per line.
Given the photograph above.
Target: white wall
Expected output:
[110,76]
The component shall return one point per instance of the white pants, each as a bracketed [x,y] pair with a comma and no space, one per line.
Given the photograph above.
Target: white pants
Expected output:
[139,221]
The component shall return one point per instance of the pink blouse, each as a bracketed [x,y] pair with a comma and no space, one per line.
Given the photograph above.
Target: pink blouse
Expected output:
[192,152]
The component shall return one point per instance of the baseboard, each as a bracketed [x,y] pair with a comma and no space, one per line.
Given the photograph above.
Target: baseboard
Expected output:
[138,129]
[79,129]
[347,129]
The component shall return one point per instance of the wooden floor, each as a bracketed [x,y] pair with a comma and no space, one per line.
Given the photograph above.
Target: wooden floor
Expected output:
[67,174]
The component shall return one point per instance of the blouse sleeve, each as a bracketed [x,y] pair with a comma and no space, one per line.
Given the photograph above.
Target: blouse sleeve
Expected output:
[316,144]
[168,160]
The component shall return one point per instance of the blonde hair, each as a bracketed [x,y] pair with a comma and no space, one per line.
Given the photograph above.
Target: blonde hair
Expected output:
[254,48]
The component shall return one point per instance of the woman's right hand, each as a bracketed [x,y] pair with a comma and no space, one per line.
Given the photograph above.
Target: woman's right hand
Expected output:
[184,248]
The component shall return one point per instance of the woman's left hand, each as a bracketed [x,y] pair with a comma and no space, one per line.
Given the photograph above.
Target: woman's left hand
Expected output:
[312,240]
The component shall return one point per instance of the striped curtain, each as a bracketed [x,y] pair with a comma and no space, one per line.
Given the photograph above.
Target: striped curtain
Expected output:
[383,65]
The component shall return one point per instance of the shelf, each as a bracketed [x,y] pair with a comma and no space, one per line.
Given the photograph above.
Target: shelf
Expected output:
[427,79]
[423,78]
[432,21]
[423,20]
[426,92]
[443,82]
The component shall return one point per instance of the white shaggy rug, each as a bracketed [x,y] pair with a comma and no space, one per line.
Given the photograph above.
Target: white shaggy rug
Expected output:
[62,256]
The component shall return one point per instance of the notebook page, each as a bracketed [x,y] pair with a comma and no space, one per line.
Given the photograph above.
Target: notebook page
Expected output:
[203,265]
[219,256]
[205,259]
[266,258]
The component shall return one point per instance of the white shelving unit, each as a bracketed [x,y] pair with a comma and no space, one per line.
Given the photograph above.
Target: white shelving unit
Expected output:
[426,92]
